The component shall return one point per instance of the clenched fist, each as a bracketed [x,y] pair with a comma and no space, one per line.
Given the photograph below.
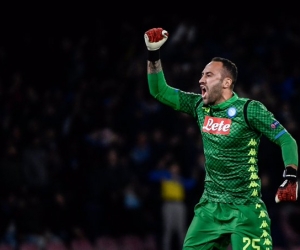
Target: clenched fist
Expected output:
[155,38]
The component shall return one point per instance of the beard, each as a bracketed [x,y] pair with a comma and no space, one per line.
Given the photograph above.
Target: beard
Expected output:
[214,94]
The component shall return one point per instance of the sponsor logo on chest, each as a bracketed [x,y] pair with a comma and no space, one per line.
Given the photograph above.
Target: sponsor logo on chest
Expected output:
[216,125]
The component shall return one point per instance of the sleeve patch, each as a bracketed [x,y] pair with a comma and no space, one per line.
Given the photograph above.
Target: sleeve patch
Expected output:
[275,124]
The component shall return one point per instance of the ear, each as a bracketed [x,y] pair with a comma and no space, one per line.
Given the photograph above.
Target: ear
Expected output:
[227,82]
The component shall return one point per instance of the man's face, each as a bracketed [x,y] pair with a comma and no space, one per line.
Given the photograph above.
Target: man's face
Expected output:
[211,83]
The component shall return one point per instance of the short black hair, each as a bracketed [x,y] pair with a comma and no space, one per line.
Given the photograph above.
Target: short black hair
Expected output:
[229,66]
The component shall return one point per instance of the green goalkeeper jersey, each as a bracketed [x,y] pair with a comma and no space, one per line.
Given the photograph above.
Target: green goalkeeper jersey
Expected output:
[231,133]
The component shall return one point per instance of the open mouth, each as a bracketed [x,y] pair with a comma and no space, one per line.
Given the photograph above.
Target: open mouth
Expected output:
[203,91]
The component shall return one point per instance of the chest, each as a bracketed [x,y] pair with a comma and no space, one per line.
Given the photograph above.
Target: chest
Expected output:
[228,122]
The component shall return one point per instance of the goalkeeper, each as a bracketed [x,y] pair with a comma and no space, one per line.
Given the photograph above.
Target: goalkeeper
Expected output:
[230,210]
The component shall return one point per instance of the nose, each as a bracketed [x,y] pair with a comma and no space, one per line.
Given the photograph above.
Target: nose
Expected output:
[201,80]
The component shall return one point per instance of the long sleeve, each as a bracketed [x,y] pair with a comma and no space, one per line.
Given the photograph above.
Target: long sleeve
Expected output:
[161,91]
[289,149]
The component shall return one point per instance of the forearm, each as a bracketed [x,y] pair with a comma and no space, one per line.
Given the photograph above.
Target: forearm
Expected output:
[158,86]
[288,190]
[154,67]
[289,150]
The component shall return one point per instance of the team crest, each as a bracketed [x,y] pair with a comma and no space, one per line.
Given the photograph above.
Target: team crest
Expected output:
[231,112]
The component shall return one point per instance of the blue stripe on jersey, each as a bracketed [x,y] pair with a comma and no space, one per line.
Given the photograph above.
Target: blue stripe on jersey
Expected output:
[280,134]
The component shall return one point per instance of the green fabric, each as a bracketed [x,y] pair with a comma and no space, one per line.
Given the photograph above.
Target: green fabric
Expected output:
[230,145]
[231,159]
[216,225]
[289,149]
[161,91]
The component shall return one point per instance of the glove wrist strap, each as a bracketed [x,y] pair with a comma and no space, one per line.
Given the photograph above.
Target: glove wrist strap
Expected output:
[290,173]
[153,55]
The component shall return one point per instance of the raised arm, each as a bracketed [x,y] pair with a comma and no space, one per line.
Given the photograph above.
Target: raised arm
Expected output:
[158,87]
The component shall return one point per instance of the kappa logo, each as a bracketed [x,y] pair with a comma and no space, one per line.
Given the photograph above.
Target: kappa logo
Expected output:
[215,125]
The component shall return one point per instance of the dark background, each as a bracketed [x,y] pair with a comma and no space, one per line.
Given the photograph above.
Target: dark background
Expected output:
[73,87]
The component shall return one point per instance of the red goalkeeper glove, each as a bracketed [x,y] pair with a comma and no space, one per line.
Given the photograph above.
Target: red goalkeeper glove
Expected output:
[154,39]
[288,190]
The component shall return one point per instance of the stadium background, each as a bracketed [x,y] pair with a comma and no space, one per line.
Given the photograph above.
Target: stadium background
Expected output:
[73,91]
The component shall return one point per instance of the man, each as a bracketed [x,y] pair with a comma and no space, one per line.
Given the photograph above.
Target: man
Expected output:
[230,210]
[173,188]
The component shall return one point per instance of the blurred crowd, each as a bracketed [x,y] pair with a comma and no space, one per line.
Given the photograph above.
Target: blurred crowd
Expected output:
[81,135]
